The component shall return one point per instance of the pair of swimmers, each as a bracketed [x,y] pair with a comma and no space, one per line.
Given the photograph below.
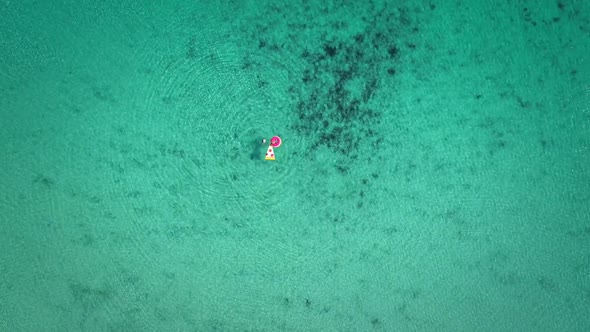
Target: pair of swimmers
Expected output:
[275,142]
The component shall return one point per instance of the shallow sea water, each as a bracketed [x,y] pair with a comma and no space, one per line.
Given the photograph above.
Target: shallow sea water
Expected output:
[433,174]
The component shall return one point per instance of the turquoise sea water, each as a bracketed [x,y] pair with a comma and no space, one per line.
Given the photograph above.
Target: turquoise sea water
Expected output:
[433,176]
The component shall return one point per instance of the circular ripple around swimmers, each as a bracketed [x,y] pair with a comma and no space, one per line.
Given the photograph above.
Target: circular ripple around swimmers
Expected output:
[234,142]
[212,101]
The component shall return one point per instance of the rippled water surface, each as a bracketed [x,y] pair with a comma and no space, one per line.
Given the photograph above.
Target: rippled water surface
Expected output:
[433,173]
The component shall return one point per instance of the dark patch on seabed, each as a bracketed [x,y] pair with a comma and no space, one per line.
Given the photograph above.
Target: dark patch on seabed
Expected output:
[329,111]
[334,96]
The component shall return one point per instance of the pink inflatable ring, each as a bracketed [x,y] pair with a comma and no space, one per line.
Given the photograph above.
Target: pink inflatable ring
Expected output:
[275,141]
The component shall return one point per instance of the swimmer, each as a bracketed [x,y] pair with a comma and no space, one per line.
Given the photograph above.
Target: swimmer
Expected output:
[264,141]
[275,141]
